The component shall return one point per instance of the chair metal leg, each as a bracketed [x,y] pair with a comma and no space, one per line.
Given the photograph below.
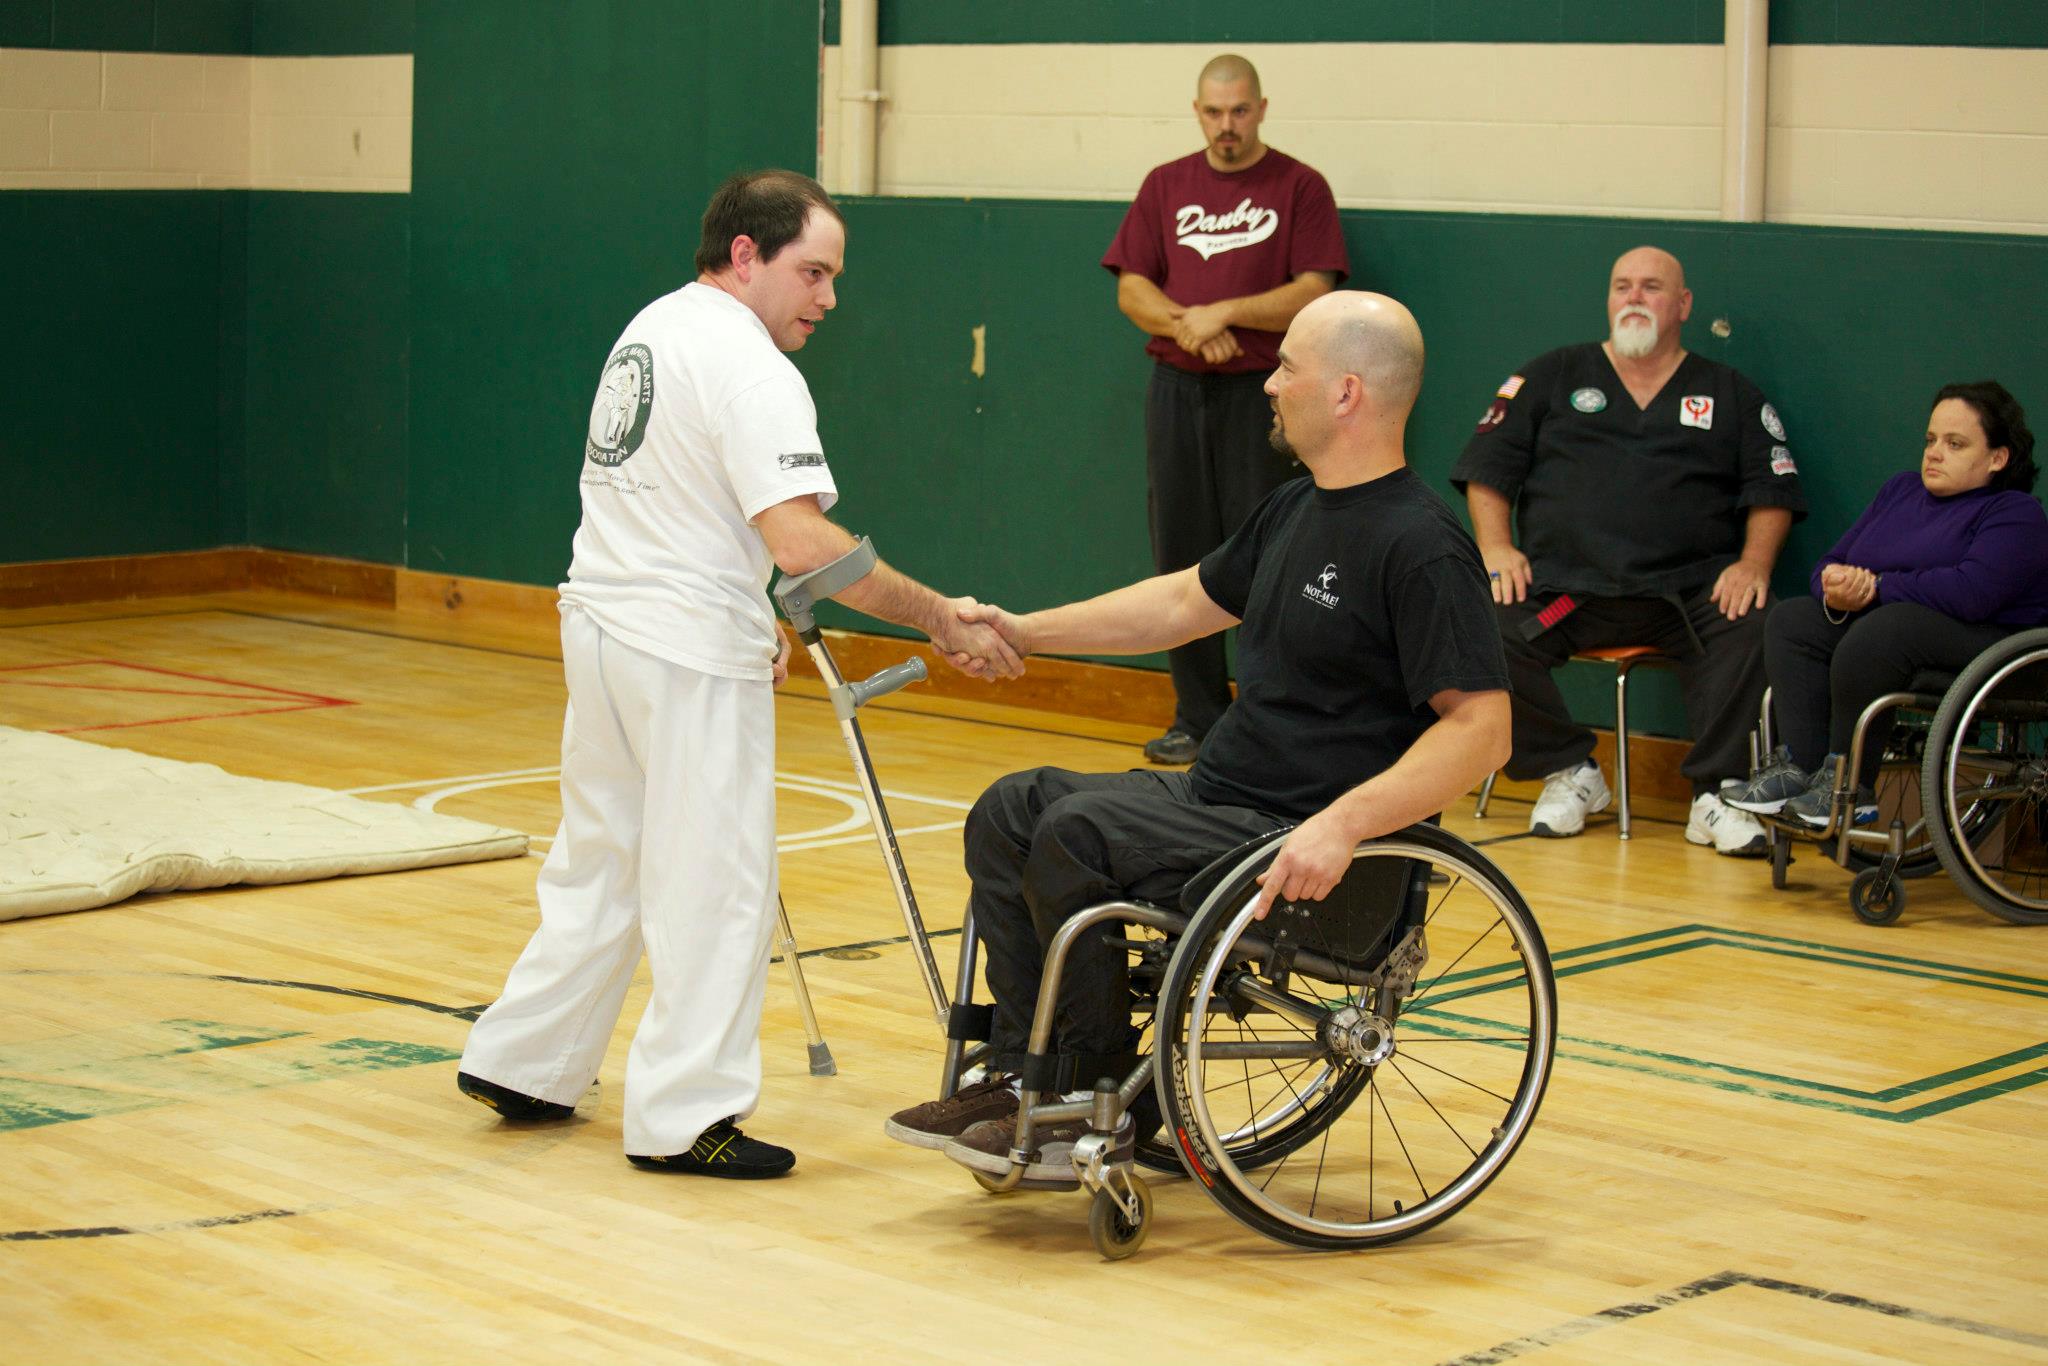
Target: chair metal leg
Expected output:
[1621,744]
[1485,796]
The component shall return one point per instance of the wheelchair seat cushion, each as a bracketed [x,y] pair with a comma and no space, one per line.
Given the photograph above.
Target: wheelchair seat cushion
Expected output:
[1932,682]
[1198,887]
[1356,923]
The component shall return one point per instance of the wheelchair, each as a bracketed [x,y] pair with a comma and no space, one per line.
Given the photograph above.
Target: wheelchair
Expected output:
[1339,1074]
[1962,788]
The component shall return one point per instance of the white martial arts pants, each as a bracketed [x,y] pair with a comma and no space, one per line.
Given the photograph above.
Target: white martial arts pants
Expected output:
[667,841]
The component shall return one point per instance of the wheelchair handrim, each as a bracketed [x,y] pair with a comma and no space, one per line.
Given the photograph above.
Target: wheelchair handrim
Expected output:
[1965,852]
[1542,1033]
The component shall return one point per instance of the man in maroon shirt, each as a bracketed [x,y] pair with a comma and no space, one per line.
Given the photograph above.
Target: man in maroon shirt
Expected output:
[1218,253]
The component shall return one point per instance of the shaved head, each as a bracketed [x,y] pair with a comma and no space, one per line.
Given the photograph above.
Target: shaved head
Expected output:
[1350,332]
[1647,261]
[1647,304]
[1227,68]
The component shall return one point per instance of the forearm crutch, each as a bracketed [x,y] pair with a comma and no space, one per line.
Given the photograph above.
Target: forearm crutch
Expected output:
[798,595]
[785,944]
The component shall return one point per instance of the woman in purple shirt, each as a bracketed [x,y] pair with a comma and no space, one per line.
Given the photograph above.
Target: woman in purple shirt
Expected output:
[1944,562]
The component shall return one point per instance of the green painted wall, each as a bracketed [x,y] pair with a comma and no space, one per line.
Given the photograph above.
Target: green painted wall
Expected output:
[561,159]
[1958,23]
[1027,486]
[326,355]
[270,28]
[330,28]
[111,425]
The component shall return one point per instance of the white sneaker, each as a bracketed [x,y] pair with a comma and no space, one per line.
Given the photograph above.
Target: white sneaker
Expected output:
[1731,832]
[1569,796]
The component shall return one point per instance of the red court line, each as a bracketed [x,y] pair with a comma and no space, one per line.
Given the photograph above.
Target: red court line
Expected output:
[203,716]
[127,687]
[306,701]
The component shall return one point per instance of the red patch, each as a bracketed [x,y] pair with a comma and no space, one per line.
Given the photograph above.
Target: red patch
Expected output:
[1496,413]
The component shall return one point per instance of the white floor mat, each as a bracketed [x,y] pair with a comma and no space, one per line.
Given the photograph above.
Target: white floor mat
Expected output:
[84,825]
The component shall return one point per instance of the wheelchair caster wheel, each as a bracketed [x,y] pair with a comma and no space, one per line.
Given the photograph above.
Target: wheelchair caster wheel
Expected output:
[1117,1237]
[1877,896]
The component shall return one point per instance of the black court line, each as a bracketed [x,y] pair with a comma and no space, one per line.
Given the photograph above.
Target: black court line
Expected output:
[865,944]
[893,710]
[123,616]
[384,635]
[1624,1313]
[49,1235]
[459,1012]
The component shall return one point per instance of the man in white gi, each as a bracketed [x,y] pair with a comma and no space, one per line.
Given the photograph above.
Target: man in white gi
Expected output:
[702,472]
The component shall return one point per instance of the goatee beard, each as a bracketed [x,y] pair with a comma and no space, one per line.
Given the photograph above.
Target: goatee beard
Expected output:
[1634,342]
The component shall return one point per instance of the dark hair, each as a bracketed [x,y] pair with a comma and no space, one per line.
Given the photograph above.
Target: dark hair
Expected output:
[2005,424]
[768,206]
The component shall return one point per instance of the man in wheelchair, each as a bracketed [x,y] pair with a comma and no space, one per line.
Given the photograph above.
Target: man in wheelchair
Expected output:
[1372,691]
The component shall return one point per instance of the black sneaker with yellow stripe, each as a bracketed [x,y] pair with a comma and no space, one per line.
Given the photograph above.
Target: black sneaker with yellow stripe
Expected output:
[512,1106]
[722,1150]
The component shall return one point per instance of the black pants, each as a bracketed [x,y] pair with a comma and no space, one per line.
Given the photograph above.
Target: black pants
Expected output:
[1044,844]
[1721,678]
[1208,464]
[1823,675]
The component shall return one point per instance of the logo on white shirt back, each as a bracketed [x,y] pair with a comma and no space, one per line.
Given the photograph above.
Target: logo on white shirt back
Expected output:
[618,416]
[1319,592]
[1212,234]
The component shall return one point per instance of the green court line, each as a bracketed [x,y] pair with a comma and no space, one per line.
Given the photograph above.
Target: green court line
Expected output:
[1814,945]
[2017,1082]
[163,1039]
[1888,1094]
[1652,944]
[86,1076]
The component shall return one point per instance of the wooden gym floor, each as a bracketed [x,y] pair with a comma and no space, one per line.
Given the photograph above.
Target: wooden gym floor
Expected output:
[230,1130]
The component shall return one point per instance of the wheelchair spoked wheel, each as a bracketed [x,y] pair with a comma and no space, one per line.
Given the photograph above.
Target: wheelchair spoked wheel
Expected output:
[1986,779]
[1309,1099]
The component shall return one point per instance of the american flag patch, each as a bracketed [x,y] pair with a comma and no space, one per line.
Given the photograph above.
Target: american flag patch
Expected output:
[1510,388]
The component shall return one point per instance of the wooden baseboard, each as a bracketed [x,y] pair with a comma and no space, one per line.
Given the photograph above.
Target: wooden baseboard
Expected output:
[230,569]
[442,602]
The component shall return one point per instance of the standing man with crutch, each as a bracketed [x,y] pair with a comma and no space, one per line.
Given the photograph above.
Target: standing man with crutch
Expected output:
[702,471]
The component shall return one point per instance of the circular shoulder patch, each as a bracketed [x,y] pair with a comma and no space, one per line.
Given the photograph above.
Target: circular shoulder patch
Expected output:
[1773,423]
[1588,400]
[618,418]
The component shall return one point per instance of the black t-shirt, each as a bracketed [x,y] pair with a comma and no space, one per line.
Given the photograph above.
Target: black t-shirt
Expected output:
[1359,604]
[1618,501]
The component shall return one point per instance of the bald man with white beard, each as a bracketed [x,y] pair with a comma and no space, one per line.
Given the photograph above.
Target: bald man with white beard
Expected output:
[1650,491]
[1371,694]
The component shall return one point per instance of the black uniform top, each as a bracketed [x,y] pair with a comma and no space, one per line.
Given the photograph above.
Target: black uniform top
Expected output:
[1359,604]
[1619,501]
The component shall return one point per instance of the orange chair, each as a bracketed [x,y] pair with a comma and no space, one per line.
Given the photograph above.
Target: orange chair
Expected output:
[1624,658]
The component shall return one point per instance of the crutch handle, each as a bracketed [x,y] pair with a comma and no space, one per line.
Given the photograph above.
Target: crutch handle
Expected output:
[850,697]
[799,593]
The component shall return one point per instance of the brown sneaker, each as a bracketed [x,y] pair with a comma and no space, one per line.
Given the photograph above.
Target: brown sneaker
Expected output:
[986,1148]
[936,1122]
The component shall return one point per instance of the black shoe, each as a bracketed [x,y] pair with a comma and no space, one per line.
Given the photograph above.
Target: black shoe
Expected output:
[1174,747]
[722,1150]
[510,1104]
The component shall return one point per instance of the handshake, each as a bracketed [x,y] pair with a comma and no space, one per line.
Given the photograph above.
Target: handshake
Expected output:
[980,639]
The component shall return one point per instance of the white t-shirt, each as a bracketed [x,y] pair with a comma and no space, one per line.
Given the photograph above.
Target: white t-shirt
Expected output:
[699,425]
